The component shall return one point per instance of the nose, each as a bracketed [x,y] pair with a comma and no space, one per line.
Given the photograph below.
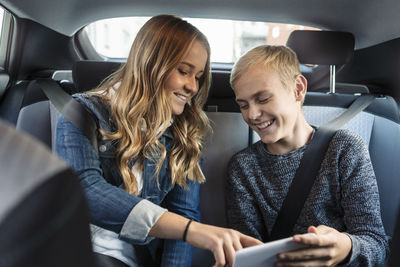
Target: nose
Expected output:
[254,112]
[192,84]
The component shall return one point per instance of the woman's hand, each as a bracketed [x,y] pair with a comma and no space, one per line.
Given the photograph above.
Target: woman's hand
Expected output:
[328,248]
[222,242]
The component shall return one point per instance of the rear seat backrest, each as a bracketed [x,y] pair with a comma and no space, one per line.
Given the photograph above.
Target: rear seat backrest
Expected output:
[11,102]
[38,117]
[88,74]
[230,135]
[221,97]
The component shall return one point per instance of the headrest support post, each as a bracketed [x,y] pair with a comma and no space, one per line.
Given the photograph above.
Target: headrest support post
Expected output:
[332,75]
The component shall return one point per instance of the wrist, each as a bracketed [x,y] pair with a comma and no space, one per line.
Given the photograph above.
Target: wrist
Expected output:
[347,243]
[193,232]
[184,237]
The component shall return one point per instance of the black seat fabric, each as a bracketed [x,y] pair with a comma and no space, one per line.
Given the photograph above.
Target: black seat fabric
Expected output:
[230,134]
[11,102]
[344,88]
[43,214]
[394,260]
[38,117]
[221,97]
[322,47]
[88,74]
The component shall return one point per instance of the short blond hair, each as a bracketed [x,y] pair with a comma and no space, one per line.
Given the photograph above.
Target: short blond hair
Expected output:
[281,58]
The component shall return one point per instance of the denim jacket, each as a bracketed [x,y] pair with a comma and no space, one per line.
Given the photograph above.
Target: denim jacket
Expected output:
[111,207]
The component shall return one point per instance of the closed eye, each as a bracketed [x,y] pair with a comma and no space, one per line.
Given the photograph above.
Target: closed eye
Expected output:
[242,105]
[182,72]
[263,98]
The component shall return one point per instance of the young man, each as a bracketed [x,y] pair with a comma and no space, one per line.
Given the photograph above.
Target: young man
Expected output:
[342,209]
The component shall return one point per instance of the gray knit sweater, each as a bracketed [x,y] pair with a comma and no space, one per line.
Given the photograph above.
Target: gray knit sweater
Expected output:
[344,195]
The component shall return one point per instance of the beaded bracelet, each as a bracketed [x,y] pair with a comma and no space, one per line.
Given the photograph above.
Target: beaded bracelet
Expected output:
[186,230]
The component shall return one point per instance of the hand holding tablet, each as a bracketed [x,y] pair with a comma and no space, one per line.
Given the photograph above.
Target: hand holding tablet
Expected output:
[266,254]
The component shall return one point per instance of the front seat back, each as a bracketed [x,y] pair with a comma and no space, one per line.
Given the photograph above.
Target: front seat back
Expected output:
[43,214]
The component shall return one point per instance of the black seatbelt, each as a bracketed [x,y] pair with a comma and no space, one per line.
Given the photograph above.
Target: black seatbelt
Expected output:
[71,109]
[309,167]
[74,112]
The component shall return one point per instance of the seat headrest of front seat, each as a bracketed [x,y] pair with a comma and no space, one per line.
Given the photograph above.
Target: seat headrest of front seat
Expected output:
[88,74]
[322,47]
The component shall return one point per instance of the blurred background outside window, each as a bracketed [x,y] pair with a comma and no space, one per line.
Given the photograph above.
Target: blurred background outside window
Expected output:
[228,39]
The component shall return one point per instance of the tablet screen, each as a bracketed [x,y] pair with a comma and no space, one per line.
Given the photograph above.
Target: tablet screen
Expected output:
[264,255]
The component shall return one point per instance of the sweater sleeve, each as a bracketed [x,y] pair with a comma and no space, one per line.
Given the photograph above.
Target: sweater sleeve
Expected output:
[360,203]
[242,211]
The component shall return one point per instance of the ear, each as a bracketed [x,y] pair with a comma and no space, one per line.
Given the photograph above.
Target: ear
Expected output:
[300,88]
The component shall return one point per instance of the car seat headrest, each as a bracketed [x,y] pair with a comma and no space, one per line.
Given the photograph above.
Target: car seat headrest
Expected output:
[322,47]
[88,74]
[220,86]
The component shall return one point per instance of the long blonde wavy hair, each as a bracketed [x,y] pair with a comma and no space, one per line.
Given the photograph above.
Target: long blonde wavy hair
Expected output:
[141,101]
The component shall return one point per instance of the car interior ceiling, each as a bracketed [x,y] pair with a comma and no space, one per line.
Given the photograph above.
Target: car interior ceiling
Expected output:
[371,68]
[68,17]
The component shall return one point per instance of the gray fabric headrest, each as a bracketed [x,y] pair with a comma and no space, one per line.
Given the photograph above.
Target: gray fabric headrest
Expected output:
[322,47]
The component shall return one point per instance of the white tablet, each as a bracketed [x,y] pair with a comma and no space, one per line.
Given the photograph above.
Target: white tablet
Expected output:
[264,255]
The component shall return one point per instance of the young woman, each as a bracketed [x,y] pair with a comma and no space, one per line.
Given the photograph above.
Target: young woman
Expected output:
[152,126]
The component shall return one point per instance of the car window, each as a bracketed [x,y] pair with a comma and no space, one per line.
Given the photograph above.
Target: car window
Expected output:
[112,38]
[1,18]
[5,26]
[1,35]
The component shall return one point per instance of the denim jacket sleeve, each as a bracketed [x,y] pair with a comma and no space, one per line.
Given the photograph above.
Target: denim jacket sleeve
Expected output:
[186,203]
[110,207]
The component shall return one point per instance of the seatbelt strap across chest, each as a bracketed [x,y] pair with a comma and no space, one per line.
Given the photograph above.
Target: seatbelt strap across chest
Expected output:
[74,112]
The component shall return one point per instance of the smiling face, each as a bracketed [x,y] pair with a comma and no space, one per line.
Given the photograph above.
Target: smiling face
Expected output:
[183,81]
[271,109]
